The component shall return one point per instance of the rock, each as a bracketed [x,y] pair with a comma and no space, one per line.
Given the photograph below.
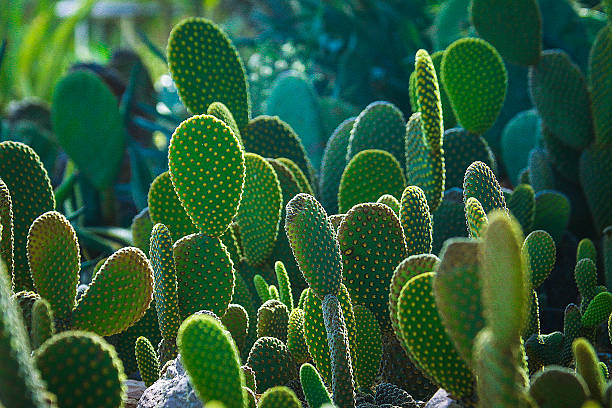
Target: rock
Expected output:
[172,390]
[441,399]
[135,389]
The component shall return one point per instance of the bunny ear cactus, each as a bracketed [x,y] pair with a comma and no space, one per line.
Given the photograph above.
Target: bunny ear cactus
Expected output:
[118,295]
[236,321]
[25,300]
[60,358]
[475,79]
[448,219]
[476,217]
[314,390]
[415,219]
[370,174]
[558,387]
[586,249]
[541,176]
[596,181]
[390,202]
[284,285]
[148,364]
[205,275]
[42,323]
[211,360]
[552,213]
[599,79]
[298,174]
[200,178]
[31,194]
[587,366]
[6,221]
[198,49]
[462,148]
[540,253]
[221,112]
[428,99]
[272,320]
[272,363]
[598,310]
[277,397]
[368,347]
[522,205]
[141,230]
[481,183]
[296,342]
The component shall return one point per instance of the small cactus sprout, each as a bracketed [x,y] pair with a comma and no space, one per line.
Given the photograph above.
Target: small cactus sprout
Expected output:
[314,390]
[148,364]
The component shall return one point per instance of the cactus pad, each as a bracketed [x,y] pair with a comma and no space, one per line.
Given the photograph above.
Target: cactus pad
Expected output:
[368,347]
[596,181]
[277,397]
[541,254]
[475,216]
[416,221]
[314,390]
[428,98]
[522,205]
[272,363]
[481,183]
[148,364]
[600,80]
[462,148]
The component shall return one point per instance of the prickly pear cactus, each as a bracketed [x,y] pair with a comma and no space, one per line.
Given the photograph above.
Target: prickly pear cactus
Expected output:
[272,363]
[416,221]
[148,364]
[481,183]
[314,390]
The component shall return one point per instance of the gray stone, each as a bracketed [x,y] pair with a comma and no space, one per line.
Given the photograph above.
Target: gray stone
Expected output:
[441,399]
[172,390]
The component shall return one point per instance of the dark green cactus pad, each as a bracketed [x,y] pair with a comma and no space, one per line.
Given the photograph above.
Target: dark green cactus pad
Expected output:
[343,384]
[456,287]
[541,176]
[272,363]
[63,356]
[380,126]
[262,288]
[424,166]
[204,274]
[596,182]
[314,390]
[118,295]
[572,329]
[370,174]
[533,319]
[368,348]
[481,183]
[89,127]
[522,205]
[372,244]
[221,112]
[564,159]
[390,202]
[314,244]
[269,136]
[558,387]
[541,254]
[6,221]
[54,258]
[272,320]
[475,79]
[206,68]
[148,364]
[298,174]
[462,148]
[211,359]
[231,244]
[513,27]
[284,285]
[424,334]
[587,366]
[598,310]
[207,168]
[20,383]
[565,110]
[586,249]
[449,116]
[296,343]
[600,81]
[243,297]
[416,221]
[25,299]
[165,208]
[552,213]
[31,195]
[544,350]
[260,209]
[314,330]
[164,275]
[279,397]
[333,164]
[520,135]
[42,323]
[448,219]
[428,99]
[236,321]
[141,230]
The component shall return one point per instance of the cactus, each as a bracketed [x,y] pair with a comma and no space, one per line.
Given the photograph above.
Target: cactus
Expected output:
[481,183]
[370,174]
[462,148]
[541,176]
[587,367]
[148,364]
[262,288]
[448,219]
[42,323]
[520,135]
[221,112]
[25,300]
[279,397]
[393,395]
[476,218]
[598,310]
[372,244]
[514,28]
[284,285]
[390,202]
[570,390]
[599,81]
[236,321]
[475,79]
[596,181]
[298,174]
[272,363]
[314,389]
[379,126]
[31,195]
[416,221]
[552,213]
[368,347]
[522,205]
[141,230]
[211,360]
[586,249]
[563,158]
[197,49]
[65,354]
[540,254]
[205,275]
[272,320]
[296,343]
[6,221]
[428,99]
[198,180]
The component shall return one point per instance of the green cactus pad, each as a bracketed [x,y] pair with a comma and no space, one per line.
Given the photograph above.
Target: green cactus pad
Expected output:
[522,205]
[6,221]
[520,135]
[243,297]
[513,27]
[456,288]
[236,321]
[205,275]
[268,136]
[380,126]
[368,347]
[371,244]
[448,219]
[475,79]
[148,364]
[314,390]
[314,244]
[370,174]
[141,230]
[564,159]
[598,310]
[42,323]
[25,299]
[333,164]
[207,168]
[284,284]
[298,174]
[428,99]
[88,125]
[272,320]
[600,78]
[541,254]
[596,182]
[206,68]
[164,275]
[558,387]
[221,112]
[262,288]
[118,295]
[541,176]
[475,217]
[425,167]
[586,249]
[53,255]
[279,397]
[31,195]
[533,320]
[481,183]
[390,202]
[565,110]
[423,333]
[211,361]
[449,116]
[552,213]
[587,366]
[461,149]
[62,357]
[416,221]
[165,208]
[272,363]
[231,244]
